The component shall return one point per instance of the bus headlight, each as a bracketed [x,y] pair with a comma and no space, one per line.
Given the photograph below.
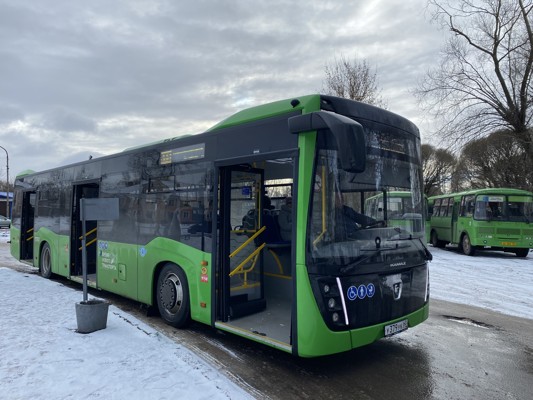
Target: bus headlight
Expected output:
[331,303]
[335,317]
[326,288]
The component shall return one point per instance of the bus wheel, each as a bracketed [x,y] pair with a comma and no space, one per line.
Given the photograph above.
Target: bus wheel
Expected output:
[466,245]
[45,263]
[435,242]
[173,296]
[522,253]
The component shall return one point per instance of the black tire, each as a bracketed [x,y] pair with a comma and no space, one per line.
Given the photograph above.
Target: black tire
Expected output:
[522,253]
[172,295]
[466,245]
[435,242]
[45,261]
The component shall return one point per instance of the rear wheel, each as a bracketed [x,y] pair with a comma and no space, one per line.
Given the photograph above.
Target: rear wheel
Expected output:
[173,296]
[45,262]
[466,245]
[521,252]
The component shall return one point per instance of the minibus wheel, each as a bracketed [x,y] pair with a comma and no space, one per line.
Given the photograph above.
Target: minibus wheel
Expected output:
[522,253]
[466,245]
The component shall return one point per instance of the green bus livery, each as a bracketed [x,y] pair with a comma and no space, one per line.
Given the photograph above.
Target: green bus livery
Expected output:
[497,219]
[255,227]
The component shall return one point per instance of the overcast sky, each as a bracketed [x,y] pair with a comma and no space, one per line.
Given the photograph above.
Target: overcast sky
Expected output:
[96,77]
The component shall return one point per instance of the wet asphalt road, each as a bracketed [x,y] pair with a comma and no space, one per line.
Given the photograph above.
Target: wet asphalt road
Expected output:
[460,352]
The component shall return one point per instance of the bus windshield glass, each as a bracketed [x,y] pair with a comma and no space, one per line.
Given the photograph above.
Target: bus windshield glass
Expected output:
[503,208]
[358,219]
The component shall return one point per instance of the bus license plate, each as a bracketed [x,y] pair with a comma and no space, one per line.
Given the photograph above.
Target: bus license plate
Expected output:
[508,243]
[395,328]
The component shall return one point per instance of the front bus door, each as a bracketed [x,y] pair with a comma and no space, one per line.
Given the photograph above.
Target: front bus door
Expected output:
[240,284]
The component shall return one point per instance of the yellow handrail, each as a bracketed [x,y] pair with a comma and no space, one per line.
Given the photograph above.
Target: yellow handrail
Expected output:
[239,268]
[324,228]
[91,241]
[88,233]
[242,246]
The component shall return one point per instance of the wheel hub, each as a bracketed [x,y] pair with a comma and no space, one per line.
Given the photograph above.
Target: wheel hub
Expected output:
[170,294]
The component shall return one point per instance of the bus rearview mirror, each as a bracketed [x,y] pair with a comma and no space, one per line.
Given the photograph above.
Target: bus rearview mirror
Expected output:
[349,136]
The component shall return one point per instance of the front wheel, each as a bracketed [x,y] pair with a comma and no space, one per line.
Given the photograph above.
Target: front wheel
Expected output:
[466,245]
[435,242]
[173,296]
[522,253]
[45,262]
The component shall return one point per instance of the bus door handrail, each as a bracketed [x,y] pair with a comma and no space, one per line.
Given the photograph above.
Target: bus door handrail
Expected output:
[28,232]
[255,255]
[86,235]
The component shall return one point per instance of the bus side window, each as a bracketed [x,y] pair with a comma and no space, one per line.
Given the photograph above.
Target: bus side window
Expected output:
[436,208]
[450,206]
[443,208]
[469,206]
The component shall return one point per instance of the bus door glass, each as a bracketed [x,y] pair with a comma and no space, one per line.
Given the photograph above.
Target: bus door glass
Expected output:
[87,190]
[242,198]
[454,208]
[27,223]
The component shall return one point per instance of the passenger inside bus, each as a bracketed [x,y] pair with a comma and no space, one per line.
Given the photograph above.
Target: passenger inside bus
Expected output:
[285,220]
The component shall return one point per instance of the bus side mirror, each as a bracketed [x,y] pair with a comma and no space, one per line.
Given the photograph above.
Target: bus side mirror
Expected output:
[349,136]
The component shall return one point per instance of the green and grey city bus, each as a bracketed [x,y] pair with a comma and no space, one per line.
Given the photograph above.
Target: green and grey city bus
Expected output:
[197,237]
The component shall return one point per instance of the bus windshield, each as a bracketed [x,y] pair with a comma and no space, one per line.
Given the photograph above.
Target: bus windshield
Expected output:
[503,208]
[358,219]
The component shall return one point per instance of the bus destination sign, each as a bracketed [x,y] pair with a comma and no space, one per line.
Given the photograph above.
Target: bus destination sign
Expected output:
[181,154]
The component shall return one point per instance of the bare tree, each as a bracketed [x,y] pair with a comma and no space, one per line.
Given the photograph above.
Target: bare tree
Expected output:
[483,84]
[353,80]
[438,167]
[497,160]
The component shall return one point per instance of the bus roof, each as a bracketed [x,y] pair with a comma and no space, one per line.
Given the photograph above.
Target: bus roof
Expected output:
[303,103]
[485,191]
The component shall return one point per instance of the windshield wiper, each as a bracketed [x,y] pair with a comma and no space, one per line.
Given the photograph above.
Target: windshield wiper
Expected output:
[350,267]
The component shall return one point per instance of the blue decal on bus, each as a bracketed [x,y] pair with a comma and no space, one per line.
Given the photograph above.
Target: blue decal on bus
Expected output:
[370,290]
[361,292]
[352,293]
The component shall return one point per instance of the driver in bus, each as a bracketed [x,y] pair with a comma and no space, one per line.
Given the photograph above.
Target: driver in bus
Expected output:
[347,220]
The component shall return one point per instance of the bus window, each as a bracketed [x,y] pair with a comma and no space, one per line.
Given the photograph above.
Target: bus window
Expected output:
[444,208]
[467,206]
[436,208]
[450,206]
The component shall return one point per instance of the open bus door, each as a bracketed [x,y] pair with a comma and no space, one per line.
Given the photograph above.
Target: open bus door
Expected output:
[27,225]
[240,257]
[85,190]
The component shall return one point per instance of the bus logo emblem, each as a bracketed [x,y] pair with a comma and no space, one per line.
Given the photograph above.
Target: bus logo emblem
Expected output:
[397,290]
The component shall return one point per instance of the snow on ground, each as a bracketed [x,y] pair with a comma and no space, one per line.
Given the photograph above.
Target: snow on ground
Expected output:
[42,355]
[495,280]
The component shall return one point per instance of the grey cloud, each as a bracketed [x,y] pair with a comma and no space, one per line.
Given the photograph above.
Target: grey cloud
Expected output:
[67,121]
[78,63]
